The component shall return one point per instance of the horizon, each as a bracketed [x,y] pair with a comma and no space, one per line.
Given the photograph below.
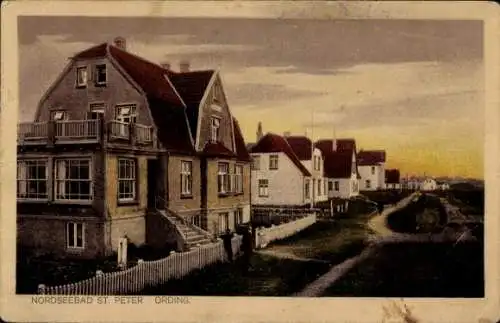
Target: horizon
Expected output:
[406,87]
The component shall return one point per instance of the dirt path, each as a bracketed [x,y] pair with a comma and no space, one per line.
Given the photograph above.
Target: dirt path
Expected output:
[288,255]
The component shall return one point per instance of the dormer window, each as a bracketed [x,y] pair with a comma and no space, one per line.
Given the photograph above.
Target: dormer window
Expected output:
[215,129]
[100,74]
[81,76]
[57,115]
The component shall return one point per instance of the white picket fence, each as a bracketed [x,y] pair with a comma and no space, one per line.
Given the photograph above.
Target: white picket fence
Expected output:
[264,236]
[147,273]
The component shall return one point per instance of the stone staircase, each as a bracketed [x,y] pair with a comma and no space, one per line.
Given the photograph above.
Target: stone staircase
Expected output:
[192,236]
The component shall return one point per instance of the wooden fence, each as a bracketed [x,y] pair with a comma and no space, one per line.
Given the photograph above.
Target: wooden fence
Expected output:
[264,236]
[147,273]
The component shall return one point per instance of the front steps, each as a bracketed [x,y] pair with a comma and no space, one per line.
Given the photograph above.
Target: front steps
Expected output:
[192,236]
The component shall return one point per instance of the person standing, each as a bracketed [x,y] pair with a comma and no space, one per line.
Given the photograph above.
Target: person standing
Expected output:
[247,246]
[227,238]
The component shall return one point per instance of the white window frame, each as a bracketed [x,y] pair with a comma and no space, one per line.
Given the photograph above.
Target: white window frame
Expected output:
[238,175]
[214,129]
[238,216]
[223,222]
[307,189]
[82,76]
[263,185]
[319,187]
[60,180]
[186,178]
[97,67]
[25,182]
[273,162]
[256,162]
[129,178]
[73,226]
[97,108]
[58,115]
[223,185]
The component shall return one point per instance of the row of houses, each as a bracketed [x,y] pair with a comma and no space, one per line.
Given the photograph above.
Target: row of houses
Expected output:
[294,170]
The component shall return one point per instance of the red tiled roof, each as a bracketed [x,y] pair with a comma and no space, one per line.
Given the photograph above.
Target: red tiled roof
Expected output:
[100,50]
[371,157]
[241,149]
[217,149]
[338,164]
[392,176]
[301,146]
[272,143]
[326,145]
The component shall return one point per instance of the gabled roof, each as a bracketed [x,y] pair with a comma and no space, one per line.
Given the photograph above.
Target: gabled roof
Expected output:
[326,145]
[273,143]
[392,176]
[371,157]
[338,164]
[241,149]
[301,146]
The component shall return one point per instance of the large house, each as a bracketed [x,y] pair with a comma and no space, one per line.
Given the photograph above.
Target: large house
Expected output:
[340,167]
[371,166]
[312,158]
[392,179]
[278,176]
[123,147]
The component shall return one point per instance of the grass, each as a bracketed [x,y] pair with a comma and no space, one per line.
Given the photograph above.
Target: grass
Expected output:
[416,270]
[268,276]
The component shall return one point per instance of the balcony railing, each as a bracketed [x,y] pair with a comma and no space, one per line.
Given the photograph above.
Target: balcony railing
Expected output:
[75,131]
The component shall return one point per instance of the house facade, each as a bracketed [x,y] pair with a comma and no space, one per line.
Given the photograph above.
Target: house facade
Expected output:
[278,176]
[371,167]
[122,147]
[393,179]
[312,159]
[428,184]
[340,167]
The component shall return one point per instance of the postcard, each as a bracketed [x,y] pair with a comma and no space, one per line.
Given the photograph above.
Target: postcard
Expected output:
[250,161]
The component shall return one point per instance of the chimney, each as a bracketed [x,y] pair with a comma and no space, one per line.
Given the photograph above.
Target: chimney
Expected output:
[259,131]
[120,42]
[286,134]
[184,66]
[166,65]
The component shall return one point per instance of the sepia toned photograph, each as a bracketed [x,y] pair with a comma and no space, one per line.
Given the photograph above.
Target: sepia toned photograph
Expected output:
[217,156]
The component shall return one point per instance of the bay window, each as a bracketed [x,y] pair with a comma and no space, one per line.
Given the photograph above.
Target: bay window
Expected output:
[73,180]
[32,176]
[223,178]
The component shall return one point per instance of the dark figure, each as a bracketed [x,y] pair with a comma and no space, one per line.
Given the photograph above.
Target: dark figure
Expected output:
[226,238]
[380,207]
[247,246]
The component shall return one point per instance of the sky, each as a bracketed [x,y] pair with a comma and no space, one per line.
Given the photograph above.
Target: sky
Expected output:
[412,87]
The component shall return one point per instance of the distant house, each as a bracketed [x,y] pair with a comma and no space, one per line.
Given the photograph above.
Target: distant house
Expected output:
[123,147]
[278,176]
[428,184]
[371,167]
[340,167]
[392,179]
[312,159]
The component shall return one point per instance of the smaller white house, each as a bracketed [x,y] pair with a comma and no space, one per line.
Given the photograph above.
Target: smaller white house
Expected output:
[392,179]
[340,167]
[312,159]
[371,167]
[278,177]
[428,184]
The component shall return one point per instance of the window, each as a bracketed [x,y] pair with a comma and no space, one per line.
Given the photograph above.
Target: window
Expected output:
[373,170]
[32,179]
[337,185]
[126,113]
[307,192]
[73,179]
[256,162]
[81,76]
[186,178]
[75,233]
[96,111]
[215,129]
[238,216]
[330,186]
[368,183]
[238,178]
[325,191]
[126,179]
[319,187]
[223,178]
[57,115]
[273,162]
[263,188]
[100,74]
[223,222]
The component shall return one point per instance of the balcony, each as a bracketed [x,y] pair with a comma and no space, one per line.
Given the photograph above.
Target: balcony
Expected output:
[83,131]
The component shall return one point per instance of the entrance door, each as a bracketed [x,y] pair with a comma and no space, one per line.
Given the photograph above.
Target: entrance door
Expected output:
[153,181]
